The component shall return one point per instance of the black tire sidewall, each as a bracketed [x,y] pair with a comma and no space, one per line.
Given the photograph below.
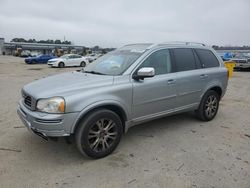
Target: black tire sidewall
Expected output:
[203,102]
[83,64]
[61,65]
[82,131]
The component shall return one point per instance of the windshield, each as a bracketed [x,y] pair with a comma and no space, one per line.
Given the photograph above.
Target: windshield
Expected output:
[65,56]
[114,63]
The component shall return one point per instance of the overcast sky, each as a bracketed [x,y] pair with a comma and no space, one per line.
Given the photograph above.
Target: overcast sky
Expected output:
[112,23]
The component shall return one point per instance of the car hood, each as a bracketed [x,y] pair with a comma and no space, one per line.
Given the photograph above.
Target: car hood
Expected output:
[66,84]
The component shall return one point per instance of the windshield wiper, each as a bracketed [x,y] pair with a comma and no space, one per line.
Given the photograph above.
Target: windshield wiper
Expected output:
[94,72]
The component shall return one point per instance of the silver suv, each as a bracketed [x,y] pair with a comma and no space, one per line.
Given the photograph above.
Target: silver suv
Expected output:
[128,86]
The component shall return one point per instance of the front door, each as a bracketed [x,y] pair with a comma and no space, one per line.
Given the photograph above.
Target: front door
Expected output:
[155,96]
[69,61]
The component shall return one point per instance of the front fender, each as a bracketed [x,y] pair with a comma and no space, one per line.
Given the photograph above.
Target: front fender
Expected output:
[96,105]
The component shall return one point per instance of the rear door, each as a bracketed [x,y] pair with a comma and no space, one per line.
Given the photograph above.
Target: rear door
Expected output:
[209,64]
[77,61]
[46,58]
[155,96]
[189,79]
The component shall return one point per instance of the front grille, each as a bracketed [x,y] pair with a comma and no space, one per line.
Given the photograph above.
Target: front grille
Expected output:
[28,101]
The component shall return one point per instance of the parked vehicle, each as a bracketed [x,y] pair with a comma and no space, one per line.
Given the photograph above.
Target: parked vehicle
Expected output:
[68,60]
[25,53]
[126,87]
[34,53]
[38,59]
[18,50]
[92,57]
[242,61]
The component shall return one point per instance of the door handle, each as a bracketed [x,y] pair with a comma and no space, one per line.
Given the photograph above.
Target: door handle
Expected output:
[171,81]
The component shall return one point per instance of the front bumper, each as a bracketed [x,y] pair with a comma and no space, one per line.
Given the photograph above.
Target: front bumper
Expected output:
[53,64]
[44,124]
[28,62]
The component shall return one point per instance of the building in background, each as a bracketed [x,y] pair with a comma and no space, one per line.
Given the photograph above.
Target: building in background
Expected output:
[16,48]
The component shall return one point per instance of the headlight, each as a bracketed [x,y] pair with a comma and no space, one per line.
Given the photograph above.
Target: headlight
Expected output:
[51,105]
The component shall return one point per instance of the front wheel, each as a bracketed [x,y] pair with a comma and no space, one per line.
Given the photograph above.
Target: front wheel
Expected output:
[99,133]
[61,65]
[209,106]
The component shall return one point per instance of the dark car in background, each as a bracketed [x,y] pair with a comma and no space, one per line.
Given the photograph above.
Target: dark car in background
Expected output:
[39,59]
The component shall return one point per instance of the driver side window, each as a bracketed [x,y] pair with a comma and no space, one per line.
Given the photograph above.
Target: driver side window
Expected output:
[160,61]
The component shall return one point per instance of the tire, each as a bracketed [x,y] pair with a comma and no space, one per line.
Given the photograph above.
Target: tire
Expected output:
[83,64]
[61,65]
[91,135]
[209,106]
[33,62]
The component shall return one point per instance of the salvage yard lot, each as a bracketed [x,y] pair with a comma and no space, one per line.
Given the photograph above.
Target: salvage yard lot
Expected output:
[177,151]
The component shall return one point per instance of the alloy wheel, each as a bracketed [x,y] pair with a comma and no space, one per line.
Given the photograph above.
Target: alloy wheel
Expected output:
[102,135]
[211,106]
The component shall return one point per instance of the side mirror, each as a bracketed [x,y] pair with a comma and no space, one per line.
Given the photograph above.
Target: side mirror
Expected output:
[145,72]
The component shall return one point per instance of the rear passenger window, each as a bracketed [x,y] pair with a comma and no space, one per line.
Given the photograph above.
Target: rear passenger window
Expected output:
[184,59]
[207,58]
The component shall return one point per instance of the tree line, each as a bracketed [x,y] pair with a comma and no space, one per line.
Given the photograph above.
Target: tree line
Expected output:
[231,47]
[48,41]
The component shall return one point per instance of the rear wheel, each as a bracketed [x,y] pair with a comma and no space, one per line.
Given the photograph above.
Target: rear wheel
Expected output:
[61,65]
[99,133]
[209,106]
[83,64]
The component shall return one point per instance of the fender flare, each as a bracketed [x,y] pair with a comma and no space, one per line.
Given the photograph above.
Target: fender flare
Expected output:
[210,86]
[96,105]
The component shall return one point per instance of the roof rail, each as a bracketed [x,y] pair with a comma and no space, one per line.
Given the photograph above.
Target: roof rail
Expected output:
[182,43]
[138,44]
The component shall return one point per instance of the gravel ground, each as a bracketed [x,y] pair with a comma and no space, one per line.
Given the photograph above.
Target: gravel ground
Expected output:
[177,151]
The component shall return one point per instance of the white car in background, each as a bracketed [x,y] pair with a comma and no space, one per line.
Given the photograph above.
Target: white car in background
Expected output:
[68,60]
[93,57]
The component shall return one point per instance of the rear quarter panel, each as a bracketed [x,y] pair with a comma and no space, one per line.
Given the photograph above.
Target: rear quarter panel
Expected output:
[217,77]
